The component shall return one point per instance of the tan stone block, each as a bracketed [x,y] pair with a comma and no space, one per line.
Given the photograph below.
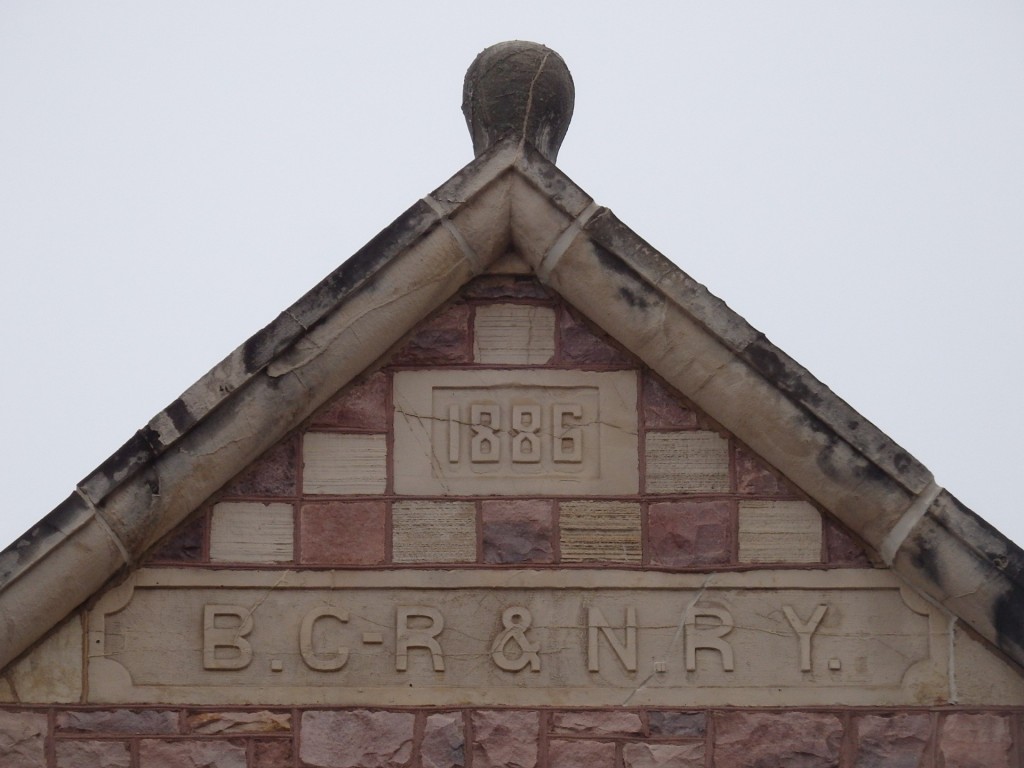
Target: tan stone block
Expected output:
[687,462]
[779,532]
[516,334]
[343,464]
[450,637]
[23,739]
[250,532]
[600,530]
[663,756]
[519,432]
[433,532]
[239,722]
[109,754]
[981,676]
[52,672]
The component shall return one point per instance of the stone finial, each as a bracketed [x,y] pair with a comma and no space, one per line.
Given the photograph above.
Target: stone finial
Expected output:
[520,89]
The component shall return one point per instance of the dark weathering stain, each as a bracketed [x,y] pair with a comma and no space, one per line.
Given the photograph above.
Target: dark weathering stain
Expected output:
[636,302]
[777,370]
[926,559]
[179,415]
[1008,619]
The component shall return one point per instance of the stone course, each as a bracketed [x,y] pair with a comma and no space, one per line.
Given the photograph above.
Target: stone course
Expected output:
[581,754]
[102,754]
[505,738]
[356,739]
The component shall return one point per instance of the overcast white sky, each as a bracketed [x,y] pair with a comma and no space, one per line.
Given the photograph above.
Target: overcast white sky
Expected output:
[848,176]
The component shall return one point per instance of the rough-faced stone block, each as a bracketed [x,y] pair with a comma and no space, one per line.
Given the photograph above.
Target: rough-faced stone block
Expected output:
[687,462]
[441,339]
[78,754]
[753,477]
[361,406]
[191,754]
[251,532]
[343,464]
[975,741]
[578,753]
[663,756]
[515,334]
[356,739]
[597,723]
[433,532]
[126,721]
[891,741]
[239,722]
[444,743]
[52,672]
[23,739]
[518,531]
[600,530]
[758,739]
[135,722]
[343,532]
[689,725]
[273,474]
[505,738]
[779,532]
[272,753]
[582,346]
[662,410]
[688,533]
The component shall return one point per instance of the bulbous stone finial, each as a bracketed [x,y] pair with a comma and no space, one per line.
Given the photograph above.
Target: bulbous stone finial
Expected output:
[518,89]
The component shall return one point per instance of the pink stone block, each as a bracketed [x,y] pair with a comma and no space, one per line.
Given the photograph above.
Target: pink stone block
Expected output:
[360,406]
[842,547]
[690,725]
[184,545]
[894,741]
[577,753]
[975,741]
[127,721]
[518,531]
[597,723]
[272,753]
[273,474]
[755,478]
[663,756]
[758,739]
[343,532]
[444,743]
[690,533]
[23,739]
[662,410]
[191,754]
[442,339]
[356,739]
[581,345]
[108,754]
[505,738]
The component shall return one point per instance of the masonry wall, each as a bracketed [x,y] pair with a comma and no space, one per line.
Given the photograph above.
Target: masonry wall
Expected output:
[324,499]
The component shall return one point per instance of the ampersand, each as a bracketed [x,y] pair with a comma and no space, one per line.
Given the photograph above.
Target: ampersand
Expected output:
[516,620]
